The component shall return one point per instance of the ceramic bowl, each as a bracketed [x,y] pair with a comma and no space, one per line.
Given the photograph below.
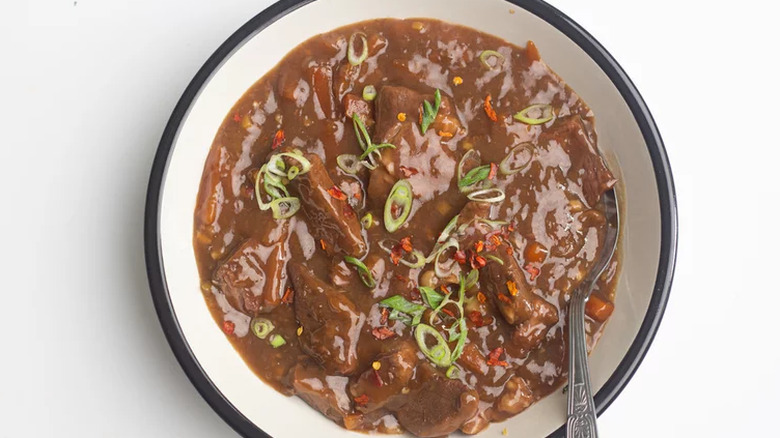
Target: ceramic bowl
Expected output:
[627,136]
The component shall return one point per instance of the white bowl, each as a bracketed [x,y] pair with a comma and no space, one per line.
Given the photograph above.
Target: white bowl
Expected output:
[627,135]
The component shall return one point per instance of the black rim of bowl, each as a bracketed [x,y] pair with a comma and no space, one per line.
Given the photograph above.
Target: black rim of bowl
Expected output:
[668,207]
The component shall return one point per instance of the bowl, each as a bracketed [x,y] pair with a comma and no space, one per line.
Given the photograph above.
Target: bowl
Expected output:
[627,134]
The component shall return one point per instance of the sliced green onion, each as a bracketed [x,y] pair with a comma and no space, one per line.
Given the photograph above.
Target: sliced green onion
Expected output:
[284,208]
[528,115]
[365,273]
[276,165]
[349,163]
[369,93]
[419,260]
[361,132]
[472,278]
[467,156]
[401,304]
[293,172]
[487,55]
[262,327]
[453,372]
[430,111]
[491,223]
[430,296]
[277,341]
[495,259]
[474,176]
[274,187]
[437,265]
[297,156]
[375,148]
[440,354]
[458,350]
[396,315]
[401,194]
[487,195]
[353,57]
[443,237]
[258,195]
[517,159]
[367,221]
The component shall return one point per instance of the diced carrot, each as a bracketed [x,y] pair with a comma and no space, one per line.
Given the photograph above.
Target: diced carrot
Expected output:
[598,309]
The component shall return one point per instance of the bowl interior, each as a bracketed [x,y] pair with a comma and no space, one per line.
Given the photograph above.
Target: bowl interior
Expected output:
[620,139]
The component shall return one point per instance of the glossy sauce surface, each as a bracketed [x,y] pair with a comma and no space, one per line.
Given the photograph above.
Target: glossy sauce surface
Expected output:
[293,273]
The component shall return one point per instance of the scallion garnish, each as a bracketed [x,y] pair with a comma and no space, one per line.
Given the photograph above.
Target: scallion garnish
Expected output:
[400,198]
[369,93]
[440,353]
[293,172]
[471,279]
[487,195]
[473,177]
[277,341]
[284,208]
[367,221]
[270,178]
[430,111]
[438,266]
[495,259]
[487,55]
[353,57]
[430,296]
[402,309]
[370,150]
[517,159]
[261,327]
[349,163]
[365,274]
[536,114]
[453,372]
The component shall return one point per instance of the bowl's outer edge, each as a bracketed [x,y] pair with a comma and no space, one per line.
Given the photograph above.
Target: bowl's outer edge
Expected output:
[662,168]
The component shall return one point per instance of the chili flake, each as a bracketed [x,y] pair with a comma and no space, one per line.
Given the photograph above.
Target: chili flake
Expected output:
[448,312]
[336,193]
[477,319]
[229,327]
[376,378]
[533,270]
[323,245]
[481,297]
[511,287]
[348,212]
[408,171]
[406,243]
[236,117]
[288,296]
[491,113]
[457,80]
[479,246]
[385,316]
[479,262]
[493,170]
[382,333]
[493,358]
[361,400]
[459,257]
[416,294]
[278,139]
[509,250]
[504,298]
[401,117]
[445,134]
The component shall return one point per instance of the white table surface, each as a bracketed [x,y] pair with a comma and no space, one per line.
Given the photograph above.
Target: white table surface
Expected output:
[86,88]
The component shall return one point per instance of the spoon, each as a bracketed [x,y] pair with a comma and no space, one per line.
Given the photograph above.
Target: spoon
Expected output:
[581,418]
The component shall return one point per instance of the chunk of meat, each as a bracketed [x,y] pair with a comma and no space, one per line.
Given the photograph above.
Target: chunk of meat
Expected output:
[322,83]
[331,322]
[438,408]
[473,360]
[253,278]
[586,163]
[329,219]
[354,104]
[516,397]
[475,425]
[379,185]
[382,386]
[532,314]
[327,394]
[393,100]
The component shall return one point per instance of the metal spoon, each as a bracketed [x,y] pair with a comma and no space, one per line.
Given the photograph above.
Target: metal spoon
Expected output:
[581,421]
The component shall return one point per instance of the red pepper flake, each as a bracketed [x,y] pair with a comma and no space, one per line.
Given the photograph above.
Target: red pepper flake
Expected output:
[408,171]
[288,296]
[511,227]
[533,270]
[493,358]
[395,210]
[511,287]
[495,240]
[493,170]
[479,246]
[348,212]
[385,316]
[236,117]
[476,318]
[361,400]
[382,333]
[479,262]
[416,294]
[228,327]
[406,243]
[401,278]
[504,298]
[459,257]
[481,297]
[336,193]
[445,134]
[395,254]
[323,245]
[278,139]
[358,195]
[376,378]
[491,113]
[448,312]
[509,250]
[444,289]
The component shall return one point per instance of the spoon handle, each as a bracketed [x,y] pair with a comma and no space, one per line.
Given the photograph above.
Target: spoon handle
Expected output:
[581,422]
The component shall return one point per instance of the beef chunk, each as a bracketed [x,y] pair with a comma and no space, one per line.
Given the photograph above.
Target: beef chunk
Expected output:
[531,313]
[329,219]
[327,394]
[439,407]
[354,104]
[393,100]
[331,323]
[322,84]
[254,276]
[475,425]
[381,387]
[586,163]
[517,396]
[379,185]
